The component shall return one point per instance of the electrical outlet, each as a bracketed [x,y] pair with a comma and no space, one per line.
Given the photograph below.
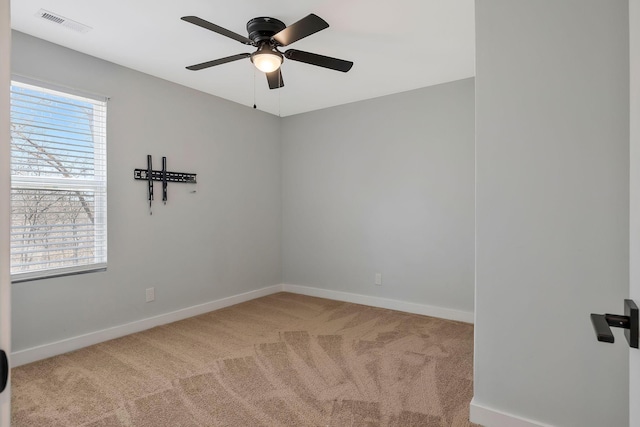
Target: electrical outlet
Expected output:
[151,294]
[378,281]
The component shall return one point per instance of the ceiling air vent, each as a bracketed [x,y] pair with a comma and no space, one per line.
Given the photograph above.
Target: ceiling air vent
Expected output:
[61,20]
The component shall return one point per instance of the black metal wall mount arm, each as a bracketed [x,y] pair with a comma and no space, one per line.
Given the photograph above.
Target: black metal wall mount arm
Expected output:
[630,322]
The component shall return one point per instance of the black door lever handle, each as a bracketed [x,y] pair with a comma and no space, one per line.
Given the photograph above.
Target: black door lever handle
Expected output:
[630,322]
[4,370]
[601,327]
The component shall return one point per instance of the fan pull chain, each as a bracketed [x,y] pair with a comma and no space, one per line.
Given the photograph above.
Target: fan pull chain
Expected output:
[279,92]
[254,88]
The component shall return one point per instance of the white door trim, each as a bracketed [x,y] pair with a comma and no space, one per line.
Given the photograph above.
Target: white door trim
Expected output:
[5,185]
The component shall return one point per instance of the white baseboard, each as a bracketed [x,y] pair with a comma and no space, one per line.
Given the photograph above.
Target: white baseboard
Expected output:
[489,417]
[392,304]
[44,351]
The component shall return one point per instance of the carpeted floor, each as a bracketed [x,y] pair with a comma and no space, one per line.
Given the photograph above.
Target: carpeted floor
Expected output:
[281,360]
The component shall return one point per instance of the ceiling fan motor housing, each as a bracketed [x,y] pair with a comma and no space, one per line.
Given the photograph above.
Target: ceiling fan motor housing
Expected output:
[263,28]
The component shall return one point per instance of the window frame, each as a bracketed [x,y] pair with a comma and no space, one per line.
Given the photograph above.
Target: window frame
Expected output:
[98,187]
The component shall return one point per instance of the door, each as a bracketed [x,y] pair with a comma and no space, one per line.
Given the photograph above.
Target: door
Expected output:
[634,238]
[5,297]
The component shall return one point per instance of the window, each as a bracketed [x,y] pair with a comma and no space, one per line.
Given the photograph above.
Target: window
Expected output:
[58,183]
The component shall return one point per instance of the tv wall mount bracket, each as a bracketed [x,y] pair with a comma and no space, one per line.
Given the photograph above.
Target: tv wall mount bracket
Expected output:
[163,176]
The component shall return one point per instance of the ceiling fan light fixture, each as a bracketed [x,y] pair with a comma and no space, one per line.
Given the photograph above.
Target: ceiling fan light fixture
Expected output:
[266,59]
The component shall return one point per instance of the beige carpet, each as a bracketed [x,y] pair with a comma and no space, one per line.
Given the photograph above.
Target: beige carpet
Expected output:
[281,360]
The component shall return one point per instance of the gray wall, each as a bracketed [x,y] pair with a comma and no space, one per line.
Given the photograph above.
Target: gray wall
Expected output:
[552,208]
[221,241]
[383,186]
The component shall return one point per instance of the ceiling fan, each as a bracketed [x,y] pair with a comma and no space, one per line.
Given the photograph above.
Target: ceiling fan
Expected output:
[268,34]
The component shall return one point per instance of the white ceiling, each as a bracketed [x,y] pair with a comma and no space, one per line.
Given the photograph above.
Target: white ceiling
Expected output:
[396,45]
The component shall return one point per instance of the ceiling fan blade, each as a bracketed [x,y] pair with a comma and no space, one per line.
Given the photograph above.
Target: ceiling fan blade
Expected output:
[319,60]
[275,79]
[220,61]
[216,29]
[305,27]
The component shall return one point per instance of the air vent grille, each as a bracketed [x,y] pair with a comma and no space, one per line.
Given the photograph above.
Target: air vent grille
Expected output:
[61,20]
[53,18]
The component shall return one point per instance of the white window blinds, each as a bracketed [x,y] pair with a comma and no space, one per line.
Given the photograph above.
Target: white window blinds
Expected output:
[58,183]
